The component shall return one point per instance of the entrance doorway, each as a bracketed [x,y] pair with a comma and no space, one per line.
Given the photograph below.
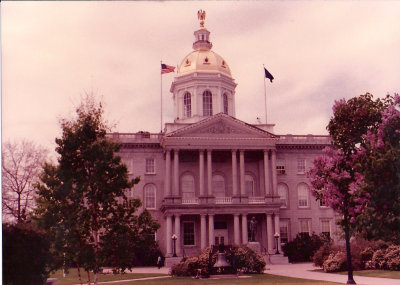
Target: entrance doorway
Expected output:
[221,236]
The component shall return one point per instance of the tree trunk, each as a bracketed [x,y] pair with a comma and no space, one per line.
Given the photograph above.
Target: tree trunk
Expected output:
[79,273]
[350,279]
[88,277]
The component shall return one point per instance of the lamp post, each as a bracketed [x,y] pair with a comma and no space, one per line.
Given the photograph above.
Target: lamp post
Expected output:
[174,238]
[276,236]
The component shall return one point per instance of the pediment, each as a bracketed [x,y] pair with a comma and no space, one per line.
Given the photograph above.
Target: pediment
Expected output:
[221,126]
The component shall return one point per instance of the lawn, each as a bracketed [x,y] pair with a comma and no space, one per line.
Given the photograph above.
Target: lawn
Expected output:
[72,278]
[371,273]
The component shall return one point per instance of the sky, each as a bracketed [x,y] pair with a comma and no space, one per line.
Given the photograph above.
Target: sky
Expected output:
[53,53]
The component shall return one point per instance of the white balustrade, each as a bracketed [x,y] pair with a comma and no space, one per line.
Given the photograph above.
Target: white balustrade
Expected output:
[223,200]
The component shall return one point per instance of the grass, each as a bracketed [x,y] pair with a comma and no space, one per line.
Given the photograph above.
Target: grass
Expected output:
[72,278]
[371,273]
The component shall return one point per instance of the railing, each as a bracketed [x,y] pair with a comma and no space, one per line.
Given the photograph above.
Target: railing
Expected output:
[134,136]
[223,200]
[190,201]
[256,200]
[304,139]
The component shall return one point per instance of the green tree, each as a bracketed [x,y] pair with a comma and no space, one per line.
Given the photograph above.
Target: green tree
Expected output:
[379,163]
[82,202]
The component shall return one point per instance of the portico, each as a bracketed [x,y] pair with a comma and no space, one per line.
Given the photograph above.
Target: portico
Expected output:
[220,170]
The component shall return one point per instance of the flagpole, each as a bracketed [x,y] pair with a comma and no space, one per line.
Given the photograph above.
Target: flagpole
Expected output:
[161,94]
[265,96]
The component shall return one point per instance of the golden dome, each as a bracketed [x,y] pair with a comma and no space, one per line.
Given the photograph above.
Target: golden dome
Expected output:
[203,61]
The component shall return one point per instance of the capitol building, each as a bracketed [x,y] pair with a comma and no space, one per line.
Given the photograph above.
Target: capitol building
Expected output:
[208,175]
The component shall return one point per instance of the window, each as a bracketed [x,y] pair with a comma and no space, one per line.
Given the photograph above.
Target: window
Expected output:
[225,99]
[322,203]
[301,166]
[150,166]
[284,231]
[218,186]
[283,193]
[326,227]
[305,226]
[187,105]
[150,196]
[280,167]
[303,195]
[187,186]
[207,103]
[249,185]
[188,233]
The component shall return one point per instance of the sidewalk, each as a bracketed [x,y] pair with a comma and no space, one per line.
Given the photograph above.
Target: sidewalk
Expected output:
[303,270]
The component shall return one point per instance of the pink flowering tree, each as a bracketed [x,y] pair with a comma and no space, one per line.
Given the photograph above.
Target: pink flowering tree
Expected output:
[335,178]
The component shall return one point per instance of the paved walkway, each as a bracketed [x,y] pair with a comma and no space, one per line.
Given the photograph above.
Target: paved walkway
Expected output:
[304,270]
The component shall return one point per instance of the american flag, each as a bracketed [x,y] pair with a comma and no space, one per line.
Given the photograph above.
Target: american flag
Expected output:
[166,68]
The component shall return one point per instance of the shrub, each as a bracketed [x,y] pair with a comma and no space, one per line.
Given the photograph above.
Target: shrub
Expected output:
[335,262]
[378,259]
[392,257]
[303,247]
[26,255]
[246,260]
[323,252]
[241,258]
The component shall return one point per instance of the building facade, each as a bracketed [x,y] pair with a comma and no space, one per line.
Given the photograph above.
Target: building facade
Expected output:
[209,178]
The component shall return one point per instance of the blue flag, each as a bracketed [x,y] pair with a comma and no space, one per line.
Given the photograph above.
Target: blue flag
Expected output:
[268,75]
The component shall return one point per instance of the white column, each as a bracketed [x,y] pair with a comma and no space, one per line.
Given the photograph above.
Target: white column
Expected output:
[234,173]
[201,172]
[167,173]
[176,172]
[245,236]
[211,238]
[266,173]
[270,233]
[236,229]
[178,234]
[277,230]
[209,173]
[241,166]
[273,170]
[203,236]
[169,235]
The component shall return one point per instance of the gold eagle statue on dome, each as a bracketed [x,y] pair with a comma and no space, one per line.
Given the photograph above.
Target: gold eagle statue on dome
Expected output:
[201,15]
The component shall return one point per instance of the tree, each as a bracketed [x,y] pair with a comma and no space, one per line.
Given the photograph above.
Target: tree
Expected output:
[82,202]
[334,177]
[379,164]
[21,164]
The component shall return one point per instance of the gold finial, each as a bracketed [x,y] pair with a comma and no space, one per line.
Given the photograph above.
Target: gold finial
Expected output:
[201,15]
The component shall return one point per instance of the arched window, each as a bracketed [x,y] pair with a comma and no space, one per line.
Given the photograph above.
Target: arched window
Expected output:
[218,186]
[303,195]
[207,103]
[283,194]
[187,105]
[187,186]
[225,99]
[249,185]
[150,196]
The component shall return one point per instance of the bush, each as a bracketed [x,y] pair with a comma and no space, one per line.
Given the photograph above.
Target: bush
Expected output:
[335,262]
[392,257]
[303,247]
[246,260]
[321,255]
[26,256]
[241,258]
